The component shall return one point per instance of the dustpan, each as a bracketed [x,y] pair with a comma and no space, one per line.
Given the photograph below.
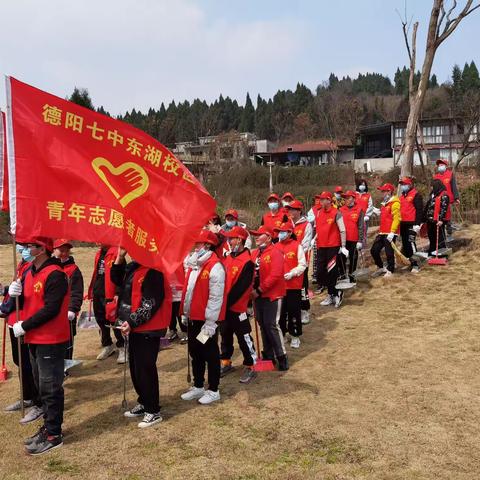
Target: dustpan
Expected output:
[68,364]
[437,260]
[261,365]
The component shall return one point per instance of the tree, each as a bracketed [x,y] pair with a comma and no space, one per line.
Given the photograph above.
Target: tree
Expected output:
[80,96]
[247,123]
[441,26]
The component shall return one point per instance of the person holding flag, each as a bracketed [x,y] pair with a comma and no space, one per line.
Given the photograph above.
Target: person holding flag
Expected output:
[203,306]
[103,293]
[144,311]
[45,328]
[62,250]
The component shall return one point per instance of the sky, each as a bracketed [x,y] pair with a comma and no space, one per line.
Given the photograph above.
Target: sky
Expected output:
[140,53]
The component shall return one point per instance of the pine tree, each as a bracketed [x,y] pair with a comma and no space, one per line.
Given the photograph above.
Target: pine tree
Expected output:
[80,96]
[247,123]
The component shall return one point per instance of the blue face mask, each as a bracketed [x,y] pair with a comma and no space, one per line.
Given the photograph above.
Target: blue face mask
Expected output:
[201,252]
[273,205]
[405,188]
[27,256]
[282,236]
[230,223]
[361,188]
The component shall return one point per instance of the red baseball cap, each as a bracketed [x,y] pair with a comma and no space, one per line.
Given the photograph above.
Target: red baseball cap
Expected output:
[324,196]
[386,187]
[263,229]
[338,189]
[406,181]
[285,227]
[295,205]
[286,195]
[349,193]
[206,236]
[232,212]
[442,161]
[59,242]
[274,196]
[236,232]
[42,241]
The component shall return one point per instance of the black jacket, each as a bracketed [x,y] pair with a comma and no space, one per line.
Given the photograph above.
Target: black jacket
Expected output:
[438,189]
[76,287]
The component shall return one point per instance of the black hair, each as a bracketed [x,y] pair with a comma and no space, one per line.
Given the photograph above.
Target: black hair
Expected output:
[437,187]
[359,182]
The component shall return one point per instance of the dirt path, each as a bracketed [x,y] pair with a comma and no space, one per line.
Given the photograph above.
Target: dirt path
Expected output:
[384,388]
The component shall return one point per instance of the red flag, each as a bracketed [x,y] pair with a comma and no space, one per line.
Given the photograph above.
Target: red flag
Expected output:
[3,164]
[82,175]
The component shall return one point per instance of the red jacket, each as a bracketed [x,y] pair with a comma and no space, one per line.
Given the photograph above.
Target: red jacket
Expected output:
[270,272]
[328,234]
[350,218]
[233,267]
[57,329]
[109,259]
[290,259]
[161,318]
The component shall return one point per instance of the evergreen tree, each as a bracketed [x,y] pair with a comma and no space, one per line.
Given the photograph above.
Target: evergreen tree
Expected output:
[80,96]
[247,123]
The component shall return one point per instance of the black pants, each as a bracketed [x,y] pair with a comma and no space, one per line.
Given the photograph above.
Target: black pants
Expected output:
[409,237]
[142,358]
[268,316]
[242,330]
[432,236]
[176,318]
[73,332]
[379,244]
[105,332]
[30,391]
[305,298]
[47,365]
[351,260]
[291,316]
[204,354]
[327,273]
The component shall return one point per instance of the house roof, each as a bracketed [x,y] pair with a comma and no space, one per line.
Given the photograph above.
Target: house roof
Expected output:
[315,146]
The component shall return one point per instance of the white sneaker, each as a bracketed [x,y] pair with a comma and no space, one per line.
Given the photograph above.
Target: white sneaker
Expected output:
[415,270]
[327,301]
[106,352]
[305,317]
[150,419]
[295,343]
[33,414]
[379,271]
[209,397]
[14,407]
[388,274]
[193,393]
[338,299]
[121,356]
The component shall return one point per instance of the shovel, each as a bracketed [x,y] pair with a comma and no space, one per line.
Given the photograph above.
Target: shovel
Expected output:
[437,260]
[261,365]
[4,369]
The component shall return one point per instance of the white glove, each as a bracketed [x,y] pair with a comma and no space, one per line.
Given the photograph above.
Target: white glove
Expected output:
[359,245]
[313,243]
[343,251]
[15,289]
[184,320]
[416,228]
[390,237]
[376,211]
[288,276]
[209,329]
[71,316]
[366,218]
[18,331]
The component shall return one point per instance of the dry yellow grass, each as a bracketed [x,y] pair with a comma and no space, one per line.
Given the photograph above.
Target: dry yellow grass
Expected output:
[384,388]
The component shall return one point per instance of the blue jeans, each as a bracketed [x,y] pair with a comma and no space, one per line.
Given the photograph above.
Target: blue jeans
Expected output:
[47,366]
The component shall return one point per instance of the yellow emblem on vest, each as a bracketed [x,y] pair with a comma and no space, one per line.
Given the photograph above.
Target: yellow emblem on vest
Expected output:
[291,255]
[234,270]
[205,275]
[329,221]
[37,288]
[267,259]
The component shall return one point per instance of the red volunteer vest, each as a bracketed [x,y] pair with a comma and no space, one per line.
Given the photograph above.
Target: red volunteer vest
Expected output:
[21,269]
[386,218]
[273,220]
[69,269]
[436,210]
[109,259]
[55,330]
[201,291]
[299,230]
[407,207]
[270,256]
[290,259]
[328,234]
[161,318]
[446,179]
[363,200]
[233,267]
[350,218]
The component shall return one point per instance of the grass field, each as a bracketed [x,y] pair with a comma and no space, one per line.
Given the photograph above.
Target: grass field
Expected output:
[385,388]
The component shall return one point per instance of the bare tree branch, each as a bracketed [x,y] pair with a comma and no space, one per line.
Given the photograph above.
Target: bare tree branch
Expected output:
[413,58]
[452,24]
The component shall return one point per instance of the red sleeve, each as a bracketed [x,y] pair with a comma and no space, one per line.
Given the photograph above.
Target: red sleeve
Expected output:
[277,271]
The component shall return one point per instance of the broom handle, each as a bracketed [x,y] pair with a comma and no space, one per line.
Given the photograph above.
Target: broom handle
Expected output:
[438,234]
[256,329]
[4,341]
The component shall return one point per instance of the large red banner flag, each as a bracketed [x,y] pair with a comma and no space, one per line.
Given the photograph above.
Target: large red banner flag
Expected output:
[3,164]
[77,174]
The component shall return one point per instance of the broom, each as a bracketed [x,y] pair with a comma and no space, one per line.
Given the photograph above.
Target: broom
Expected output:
[437,260]
[4,369]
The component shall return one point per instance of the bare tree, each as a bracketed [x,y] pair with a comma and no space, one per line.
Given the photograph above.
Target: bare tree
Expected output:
[470,113]
[440,27]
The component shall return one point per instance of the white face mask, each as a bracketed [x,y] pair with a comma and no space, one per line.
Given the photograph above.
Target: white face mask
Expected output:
[282,236]
[285,203]
[442,168]
[361,188]
[273,205]
[387,197]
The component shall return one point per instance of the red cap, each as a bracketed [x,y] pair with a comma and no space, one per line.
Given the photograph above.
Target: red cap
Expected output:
[285,227]
[263,229]
[232,212]
[386,187]
[236,232]
[286,195]
[295,205]
[42,241]
[442,161]
[59,242]
[406,181]
[206,236]
[349,193]
[338,189]
[274,196]
[324,196]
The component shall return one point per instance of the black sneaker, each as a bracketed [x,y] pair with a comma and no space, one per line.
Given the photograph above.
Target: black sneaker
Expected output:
[150,419]
[137,411]
[248,375]
[30,440]
[282,363]
[44,444]
[226,368]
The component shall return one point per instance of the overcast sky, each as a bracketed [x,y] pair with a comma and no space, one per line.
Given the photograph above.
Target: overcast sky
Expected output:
[139,53]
